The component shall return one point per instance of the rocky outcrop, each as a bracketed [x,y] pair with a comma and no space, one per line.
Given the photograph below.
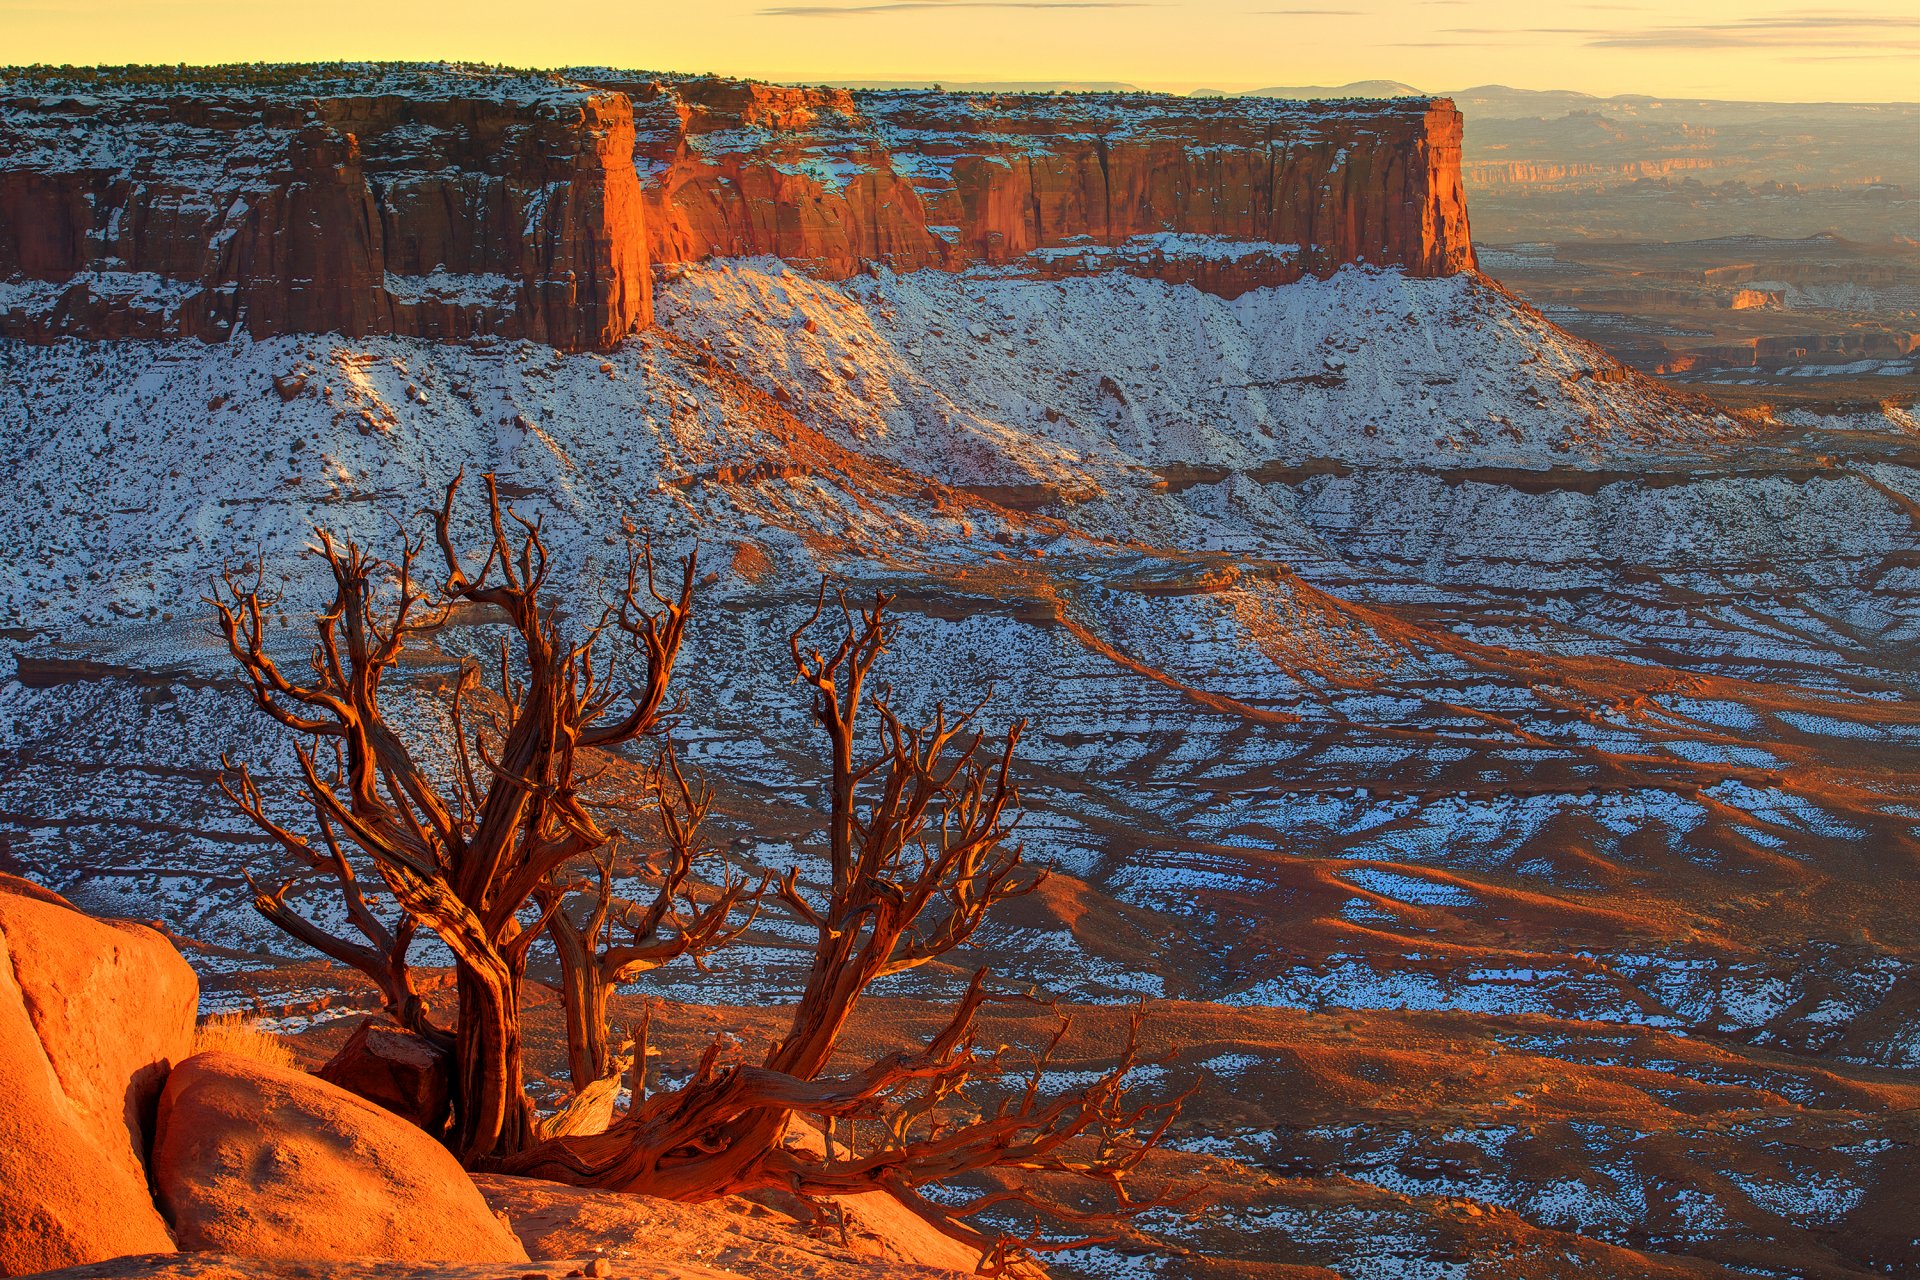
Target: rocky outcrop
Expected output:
[92,1013]
[1227,194]
[263,1161]
[226,1266]
[1534,173]
[430,202]
[389,1065]
[450,202]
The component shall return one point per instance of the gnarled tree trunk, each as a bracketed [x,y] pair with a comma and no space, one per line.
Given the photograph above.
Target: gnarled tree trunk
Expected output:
[915,855]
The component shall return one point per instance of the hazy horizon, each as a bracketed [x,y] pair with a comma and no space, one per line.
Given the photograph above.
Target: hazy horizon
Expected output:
[1772,52]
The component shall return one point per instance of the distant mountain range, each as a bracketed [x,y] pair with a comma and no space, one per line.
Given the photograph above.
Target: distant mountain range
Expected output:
[1502,102]
[1485,102]
[998,86]
[1482,102]
[1358,89]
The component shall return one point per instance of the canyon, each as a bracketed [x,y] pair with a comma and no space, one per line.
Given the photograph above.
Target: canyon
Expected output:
[453,204]
[1489,766]
[1763,250]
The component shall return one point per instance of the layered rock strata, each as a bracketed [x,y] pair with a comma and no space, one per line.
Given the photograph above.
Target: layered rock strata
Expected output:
[427,202]
[450,202]
[1228,194]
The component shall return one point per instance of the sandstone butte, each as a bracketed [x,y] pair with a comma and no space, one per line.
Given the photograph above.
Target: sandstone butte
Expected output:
[450,202]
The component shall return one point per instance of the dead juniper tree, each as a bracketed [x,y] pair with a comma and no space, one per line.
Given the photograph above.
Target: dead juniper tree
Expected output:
[476,843]
[917,855]
[613,942]
[485,841]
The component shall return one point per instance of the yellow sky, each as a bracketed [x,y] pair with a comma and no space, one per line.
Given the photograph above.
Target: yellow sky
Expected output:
[1867,51]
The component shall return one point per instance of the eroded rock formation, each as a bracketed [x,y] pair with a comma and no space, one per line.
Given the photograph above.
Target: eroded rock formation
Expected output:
[449,202]
[1228,194]
[421,201]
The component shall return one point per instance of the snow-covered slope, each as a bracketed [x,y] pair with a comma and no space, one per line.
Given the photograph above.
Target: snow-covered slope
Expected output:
[991,379]
[1131,410]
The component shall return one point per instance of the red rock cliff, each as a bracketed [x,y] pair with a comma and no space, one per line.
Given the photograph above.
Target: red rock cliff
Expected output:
[1225,193]
[420,201]
[449,202]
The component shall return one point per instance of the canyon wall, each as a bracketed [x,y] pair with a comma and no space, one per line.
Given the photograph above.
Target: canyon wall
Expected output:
[420,201]
[450,202]
[1540,173]
[1228,194]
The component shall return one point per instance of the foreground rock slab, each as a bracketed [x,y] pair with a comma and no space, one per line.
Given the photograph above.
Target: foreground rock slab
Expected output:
[271,1163]
[92,1014]
[758,1240]
[227,1266]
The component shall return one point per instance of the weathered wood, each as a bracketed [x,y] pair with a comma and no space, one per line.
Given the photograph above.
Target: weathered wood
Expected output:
[917,848]
[466,862]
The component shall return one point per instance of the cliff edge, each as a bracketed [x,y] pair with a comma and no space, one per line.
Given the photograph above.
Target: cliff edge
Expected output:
[455,202]
[430,202]
[1227,194]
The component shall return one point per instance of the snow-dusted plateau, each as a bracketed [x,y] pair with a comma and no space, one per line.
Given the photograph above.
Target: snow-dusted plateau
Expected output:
[1494,770]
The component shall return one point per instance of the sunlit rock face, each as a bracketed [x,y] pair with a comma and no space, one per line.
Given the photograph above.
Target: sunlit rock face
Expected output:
[413,201]
[93,1013]
[441,202]
[268,1161]
[1226,194]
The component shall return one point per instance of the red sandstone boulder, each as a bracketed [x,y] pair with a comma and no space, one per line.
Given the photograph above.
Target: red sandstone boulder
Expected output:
[391,1066]
[263,1161]
[92,1013]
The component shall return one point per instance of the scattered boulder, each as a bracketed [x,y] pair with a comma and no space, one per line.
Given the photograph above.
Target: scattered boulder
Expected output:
[389,1065]
[267,1162]
[92,1014]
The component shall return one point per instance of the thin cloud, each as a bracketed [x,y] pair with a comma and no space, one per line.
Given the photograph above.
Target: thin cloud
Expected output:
[902,6]
[1811,29]
[1735,38]
[1858,57]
